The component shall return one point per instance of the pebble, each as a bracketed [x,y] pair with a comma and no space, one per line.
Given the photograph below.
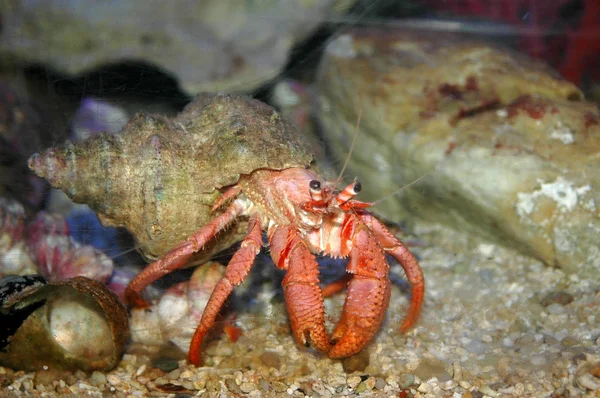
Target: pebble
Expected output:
[279,386]
[538,360]
[337,380]
[550,340]
[476,347]
[306,388]
[557,297]
[380,383]
[166,364]
[406,380]
[46,377]
[569,341]
[488,391]
[457,372]
[319,388]
[114,380]
[556,309]
[503,366]
[353,381]
[140,370]
[429,368]
[97,378]
[271,359]
[361,388]
[589,382]
[525,340]
[356,363]
[247,387]
[425,388]
[231,384]
[264,384]
[174,375]
[213,385]
[159,381]
[238,376]
[370,383]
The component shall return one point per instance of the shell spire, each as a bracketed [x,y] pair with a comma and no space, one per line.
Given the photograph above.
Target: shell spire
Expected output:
[81,169]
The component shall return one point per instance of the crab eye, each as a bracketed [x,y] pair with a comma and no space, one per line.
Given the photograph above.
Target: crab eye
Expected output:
[357,187]
[315,185]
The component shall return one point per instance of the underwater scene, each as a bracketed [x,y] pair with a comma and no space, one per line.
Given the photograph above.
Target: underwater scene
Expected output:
[325,198]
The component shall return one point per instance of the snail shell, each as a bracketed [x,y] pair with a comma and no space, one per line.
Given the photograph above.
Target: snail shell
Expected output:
[72,324]
[160,177]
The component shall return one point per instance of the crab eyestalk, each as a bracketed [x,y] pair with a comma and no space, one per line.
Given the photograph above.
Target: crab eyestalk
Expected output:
[348,193]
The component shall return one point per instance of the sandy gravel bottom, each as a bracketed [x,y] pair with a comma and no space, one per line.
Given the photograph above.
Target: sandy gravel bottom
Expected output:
[494,324]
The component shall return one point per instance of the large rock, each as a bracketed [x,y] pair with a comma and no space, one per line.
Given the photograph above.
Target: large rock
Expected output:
[210,45]
[510,150]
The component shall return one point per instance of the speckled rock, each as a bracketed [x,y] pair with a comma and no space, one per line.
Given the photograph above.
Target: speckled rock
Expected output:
[509,151]
[208,45]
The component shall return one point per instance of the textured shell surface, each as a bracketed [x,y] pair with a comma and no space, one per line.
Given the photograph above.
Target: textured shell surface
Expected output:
[71,324]
[160,176]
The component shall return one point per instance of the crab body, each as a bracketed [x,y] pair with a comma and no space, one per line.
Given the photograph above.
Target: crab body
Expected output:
[302,219]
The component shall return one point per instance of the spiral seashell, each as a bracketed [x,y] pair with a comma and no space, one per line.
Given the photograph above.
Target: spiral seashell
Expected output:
[71,324]
[160,177]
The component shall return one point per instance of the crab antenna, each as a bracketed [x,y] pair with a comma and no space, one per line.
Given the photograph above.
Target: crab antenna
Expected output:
[349,192]
[339,179]
[404,187]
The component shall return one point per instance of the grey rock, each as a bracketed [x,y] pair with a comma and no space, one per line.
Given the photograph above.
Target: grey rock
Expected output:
[508,149]
[207,45]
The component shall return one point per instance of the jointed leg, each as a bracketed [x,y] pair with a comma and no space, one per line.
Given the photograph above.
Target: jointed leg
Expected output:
[236,272]
[367,297]
[409,263]
[226,196]
[301,288]
[179,256]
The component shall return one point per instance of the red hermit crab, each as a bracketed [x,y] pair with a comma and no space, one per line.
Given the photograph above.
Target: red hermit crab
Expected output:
[272,188]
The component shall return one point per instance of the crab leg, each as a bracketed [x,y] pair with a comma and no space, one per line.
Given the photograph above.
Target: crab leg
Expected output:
[301,288]
[179,256]
[236,272]
[367,297]
[409,263]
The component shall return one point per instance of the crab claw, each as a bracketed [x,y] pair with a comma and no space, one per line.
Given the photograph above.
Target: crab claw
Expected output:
[367,298]
[301,288]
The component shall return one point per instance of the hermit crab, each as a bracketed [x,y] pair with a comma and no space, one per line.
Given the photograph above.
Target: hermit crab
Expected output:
[228,168]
